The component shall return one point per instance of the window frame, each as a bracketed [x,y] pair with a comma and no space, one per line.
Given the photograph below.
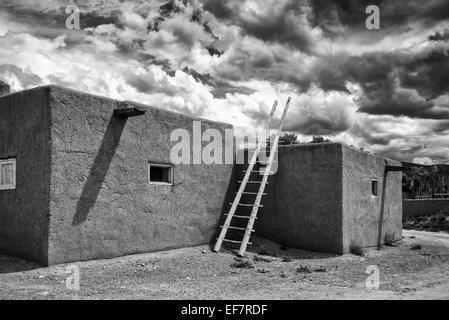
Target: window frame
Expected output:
[164,166]
[8,162]
[376,181]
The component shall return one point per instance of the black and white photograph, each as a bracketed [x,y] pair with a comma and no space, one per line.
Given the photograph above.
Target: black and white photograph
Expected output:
[224,154]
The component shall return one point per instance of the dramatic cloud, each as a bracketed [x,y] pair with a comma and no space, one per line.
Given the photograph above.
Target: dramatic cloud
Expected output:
[338,17]
[18,78]
[320,113]
[384,90]
[399,83]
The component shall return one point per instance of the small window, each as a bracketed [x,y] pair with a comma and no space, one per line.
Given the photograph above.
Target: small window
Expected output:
[374,190]
[8,174]
[160,173]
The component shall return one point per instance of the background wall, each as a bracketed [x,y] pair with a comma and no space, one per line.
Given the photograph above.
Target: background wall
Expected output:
[422,207]
[320,199]
[361,209]
[101,202]
[303,207]
[24,122]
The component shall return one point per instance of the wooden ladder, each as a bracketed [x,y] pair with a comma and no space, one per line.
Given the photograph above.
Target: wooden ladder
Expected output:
[256,205]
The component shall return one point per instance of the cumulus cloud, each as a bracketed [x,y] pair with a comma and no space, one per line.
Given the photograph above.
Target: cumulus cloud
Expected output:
[227,60]
[337,17]
[425,161]
[399,83]
[319,113]
[283,21]
[18,78]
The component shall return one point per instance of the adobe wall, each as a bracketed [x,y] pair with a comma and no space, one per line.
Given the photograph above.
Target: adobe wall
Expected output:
[101,202]
[422,207]
[303,206]
[320,199]
[362,210]
[24,122]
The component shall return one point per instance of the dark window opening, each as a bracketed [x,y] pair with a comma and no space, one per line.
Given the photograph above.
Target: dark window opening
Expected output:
[160,174]
[374,190]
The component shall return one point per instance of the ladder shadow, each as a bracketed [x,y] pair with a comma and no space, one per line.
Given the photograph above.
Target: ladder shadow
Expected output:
[230,193]
[265,247]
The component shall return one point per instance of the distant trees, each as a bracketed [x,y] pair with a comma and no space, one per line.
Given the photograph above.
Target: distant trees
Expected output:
[422,181]
[292,138]
[319,139]
[288,138]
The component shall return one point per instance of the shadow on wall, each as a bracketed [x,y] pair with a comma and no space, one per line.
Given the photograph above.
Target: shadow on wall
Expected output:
[382,207]
[229,197]
[11,265]
[99,169]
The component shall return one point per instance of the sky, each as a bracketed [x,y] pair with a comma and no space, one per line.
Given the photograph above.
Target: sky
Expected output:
[384,90]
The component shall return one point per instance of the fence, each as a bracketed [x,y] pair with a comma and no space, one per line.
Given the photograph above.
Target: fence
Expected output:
[422,207]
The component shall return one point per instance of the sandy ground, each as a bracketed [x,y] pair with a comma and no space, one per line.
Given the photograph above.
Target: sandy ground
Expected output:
[278,273]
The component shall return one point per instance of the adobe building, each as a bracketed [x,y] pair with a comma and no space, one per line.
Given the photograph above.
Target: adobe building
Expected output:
[93,184]
[330,197]
[85,177]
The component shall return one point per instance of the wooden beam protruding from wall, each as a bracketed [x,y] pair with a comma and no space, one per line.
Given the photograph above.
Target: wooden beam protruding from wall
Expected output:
[126,110]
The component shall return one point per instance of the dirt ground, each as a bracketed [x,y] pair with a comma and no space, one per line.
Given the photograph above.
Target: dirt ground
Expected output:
[418,268]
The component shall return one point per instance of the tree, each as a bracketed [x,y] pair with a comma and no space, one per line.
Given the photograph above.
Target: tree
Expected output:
[319,139]
[419,180]
[288,138]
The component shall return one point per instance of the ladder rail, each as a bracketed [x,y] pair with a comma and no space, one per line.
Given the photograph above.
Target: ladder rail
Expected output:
[255,209]
[242,187]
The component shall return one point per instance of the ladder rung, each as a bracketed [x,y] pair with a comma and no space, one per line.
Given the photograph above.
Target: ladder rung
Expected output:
[261,171]
[247,205]
[264,194]
[237,228]
[251,182]
[233,241]
[242,217]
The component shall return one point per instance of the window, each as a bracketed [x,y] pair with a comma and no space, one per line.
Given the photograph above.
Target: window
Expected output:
[160,174]
[374,190]
[8,174]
